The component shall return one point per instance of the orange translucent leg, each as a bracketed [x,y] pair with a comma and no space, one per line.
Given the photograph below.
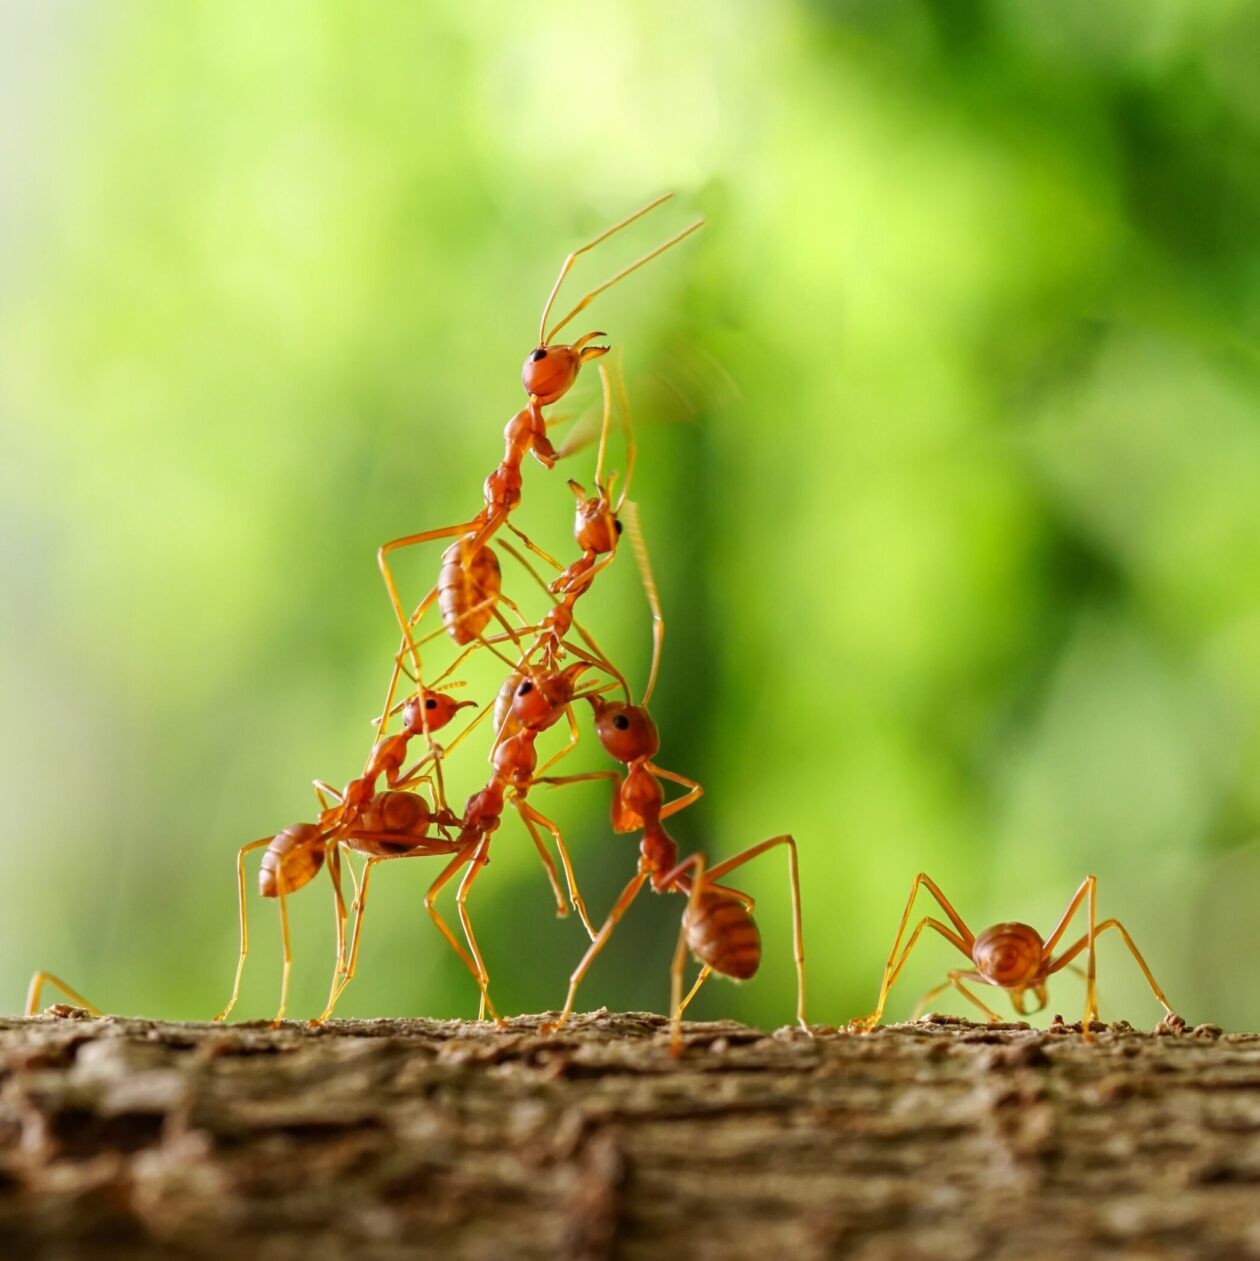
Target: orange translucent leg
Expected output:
[240,890]
[553,876]
[530,817]
[1088,890]
[323,791]
[676,968]
[339,911]
[358,906]
[694,790]
[1068,955]
[620,907]
[963,941]
[461,899]
[39,980]
[469,852]
[705,973]
[926,922]
[956,980]
[288,949]
[794,879]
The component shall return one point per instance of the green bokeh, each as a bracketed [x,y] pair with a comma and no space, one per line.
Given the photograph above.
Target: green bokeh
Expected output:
[949,432]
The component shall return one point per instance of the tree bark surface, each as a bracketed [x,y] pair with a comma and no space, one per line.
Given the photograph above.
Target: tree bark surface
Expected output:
[403,1138]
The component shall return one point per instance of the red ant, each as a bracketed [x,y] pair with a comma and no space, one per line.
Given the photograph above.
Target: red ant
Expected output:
[1011,956]
[717,924]
[469,584]
[295,855]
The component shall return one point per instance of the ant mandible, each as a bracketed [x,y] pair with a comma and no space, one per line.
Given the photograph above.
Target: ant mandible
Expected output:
[1011,956]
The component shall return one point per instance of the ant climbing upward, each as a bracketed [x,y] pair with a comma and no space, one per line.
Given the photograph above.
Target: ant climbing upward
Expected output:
[470,582]
[1011,956]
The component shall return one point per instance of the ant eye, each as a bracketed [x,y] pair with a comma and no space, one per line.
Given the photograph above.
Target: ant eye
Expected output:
[621,722]
[540,353]
[430,703]
[618,526]
[524,689]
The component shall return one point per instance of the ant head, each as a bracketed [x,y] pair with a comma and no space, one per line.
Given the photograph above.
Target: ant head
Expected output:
[1009,955]
[627,732]
[431,709]
[549,371]
[595,526]
[540,700]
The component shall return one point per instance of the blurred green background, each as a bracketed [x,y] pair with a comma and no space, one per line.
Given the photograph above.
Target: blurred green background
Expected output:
[949,462]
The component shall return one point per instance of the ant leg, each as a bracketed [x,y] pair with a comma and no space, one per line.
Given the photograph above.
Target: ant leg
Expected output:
[963,941]
[705,973]
[956,980]
[694,790]
[461,899]
[639,546]
[323,791]
[339,911]
[240,887]
[697,863]
[926,922]
[602,659]
[574,736]
[620,907]
[469,852]
[553,878]
[288,949]
[1068,955]
[1088,889]
[360,902]
[531,817]
[927,998]
[794,878]
[533,547]
[39,980]
[556,781]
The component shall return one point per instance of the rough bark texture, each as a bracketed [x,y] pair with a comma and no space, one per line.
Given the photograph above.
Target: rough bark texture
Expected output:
[385,1139]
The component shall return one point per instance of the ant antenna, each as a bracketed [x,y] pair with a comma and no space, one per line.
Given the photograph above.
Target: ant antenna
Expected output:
[649,586]
[623,404]
[567,266]
[603,430]
[546,337]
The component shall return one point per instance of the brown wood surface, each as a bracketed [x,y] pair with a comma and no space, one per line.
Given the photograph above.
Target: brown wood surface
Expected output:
[402,1138]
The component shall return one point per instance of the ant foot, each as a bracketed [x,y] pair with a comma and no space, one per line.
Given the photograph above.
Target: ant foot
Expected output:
[863,1024]
[1171,1023]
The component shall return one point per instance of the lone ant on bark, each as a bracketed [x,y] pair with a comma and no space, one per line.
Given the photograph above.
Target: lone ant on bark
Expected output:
[1011,956]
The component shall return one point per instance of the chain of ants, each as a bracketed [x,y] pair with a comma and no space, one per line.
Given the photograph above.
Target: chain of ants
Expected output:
[540,689]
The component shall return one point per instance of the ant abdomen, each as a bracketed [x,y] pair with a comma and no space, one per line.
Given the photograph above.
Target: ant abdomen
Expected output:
[297,853]
[400,821]
[468,587]
[1008,954]
[722,933]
